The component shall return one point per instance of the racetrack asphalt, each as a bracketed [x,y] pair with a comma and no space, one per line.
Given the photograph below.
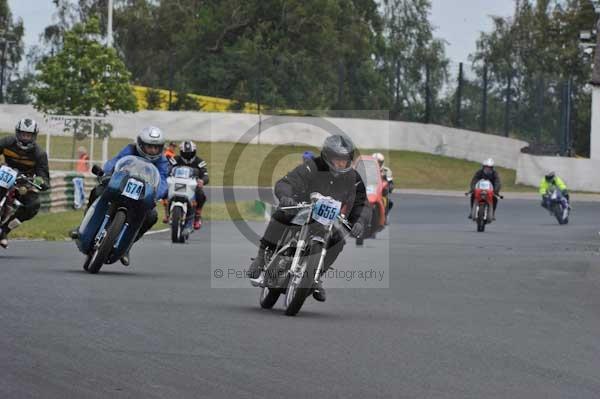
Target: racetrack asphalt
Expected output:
[510,313]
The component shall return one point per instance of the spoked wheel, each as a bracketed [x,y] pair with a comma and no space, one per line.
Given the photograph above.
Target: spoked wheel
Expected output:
[105,247]
[300,285]
[176,227]
[269,297]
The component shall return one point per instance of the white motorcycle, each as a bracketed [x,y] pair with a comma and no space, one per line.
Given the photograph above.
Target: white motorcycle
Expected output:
[182,202]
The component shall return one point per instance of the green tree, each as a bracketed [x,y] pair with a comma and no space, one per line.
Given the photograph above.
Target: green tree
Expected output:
[153,99]
[411,48]
[530,55]
[11,46]
[18,90]
[185,102]
[84,77]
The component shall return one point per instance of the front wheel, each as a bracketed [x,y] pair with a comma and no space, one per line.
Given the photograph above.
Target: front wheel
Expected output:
[481,218]
[102,252]
[177,235]
[300,286]
[269,297]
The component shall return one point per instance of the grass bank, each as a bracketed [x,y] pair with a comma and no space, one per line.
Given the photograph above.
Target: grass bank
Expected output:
[254,165]
[56,226]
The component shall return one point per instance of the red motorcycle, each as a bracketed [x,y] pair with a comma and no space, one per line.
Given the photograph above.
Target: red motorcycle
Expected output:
[482,211]
[368,169]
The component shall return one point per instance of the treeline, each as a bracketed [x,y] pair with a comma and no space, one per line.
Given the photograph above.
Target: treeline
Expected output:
[293,54]
[328,55]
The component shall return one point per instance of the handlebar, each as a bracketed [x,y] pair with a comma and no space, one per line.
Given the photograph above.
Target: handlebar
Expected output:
[29,181]
[495,195]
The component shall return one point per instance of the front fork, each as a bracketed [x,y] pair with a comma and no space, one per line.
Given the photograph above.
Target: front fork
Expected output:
[294,269]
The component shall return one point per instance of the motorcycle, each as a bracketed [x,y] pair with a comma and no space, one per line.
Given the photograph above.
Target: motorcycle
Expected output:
[182,203]
[111,224]
[294,267]
[11,183]
[558,205]
[368,169]
[482,211]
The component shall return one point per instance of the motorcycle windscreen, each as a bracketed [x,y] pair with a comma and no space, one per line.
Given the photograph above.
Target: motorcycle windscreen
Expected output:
[139,168]
[484,184]
[182,172]
[301,217]
[369,172]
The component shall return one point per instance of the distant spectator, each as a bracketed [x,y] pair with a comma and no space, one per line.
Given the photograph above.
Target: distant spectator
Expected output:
[83,160]
[171,150]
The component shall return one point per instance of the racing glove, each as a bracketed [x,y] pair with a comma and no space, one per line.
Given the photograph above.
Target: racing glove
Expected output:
[357,230]
[287,201]
[39,181]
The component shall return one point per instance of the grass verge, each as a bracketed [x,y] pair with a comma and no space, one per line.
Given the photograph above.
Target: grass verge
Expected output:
[261,165]
[56,226]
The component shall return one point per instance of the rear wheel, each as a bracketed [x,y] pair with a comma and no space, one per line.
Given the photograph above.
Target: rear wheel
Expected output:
[481,218]
[300,287]
[176,225]
[101,254]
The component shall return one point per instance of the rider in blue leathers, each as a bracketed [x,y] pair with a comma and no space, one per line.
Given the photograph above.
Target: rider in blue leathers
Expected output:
[149,145]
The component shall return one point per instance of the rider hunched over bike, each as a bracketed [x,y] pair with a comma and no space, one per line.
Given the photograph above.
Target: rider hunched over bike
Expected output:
[149,145]
[488,172]
[187,157]
[549,180]
[22,153]
[388,179]
[330,174]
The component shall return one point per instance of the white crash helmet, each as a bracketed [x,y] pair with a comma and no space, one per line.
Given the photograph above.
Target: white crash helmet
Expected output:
[26,125]
[150,135]
[379,157]
[488,162]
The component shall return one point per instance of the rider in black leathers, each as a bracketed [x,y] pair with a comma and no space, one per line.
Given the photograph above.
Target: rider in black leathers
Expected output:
[330,174]
[22,153]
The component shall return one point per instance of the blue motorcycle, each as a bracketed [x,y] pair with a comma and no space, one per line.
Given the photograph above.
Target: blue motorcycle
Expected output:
[112,223]
[557,205]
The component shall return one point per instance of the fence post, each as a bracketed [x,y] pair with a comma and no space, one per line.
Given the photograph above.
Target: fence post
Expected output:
[458,121]
[540,110]
[92,141]
[427,94]
[484,99]
[507,106]
[104,150]
[565,117]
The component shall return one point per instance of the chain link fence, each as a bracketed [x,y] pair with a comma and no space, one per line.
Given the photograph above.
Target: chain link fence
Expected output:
[549,112]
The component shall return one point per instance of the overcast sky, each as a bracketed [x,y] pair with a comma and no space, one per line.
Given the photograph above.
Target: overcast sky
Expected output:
[457,21]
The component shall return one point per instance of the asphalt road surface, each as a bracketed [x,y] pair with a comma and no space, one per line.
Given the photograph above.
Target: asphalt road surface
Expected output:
[510,313]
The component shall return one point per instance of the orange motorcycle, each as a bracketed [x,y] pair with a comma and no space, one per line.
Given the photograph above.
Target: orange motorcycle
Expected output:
[376,187]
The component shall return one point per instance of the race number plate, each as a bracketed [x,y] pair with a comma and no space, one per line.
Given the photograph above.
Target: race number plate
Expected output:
[133,189]
[326,210]
[7,176]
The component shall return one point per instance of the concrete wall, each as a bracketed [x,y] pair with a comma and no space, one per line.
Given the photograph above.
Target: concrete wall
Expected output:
[204,126]
[578,174]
